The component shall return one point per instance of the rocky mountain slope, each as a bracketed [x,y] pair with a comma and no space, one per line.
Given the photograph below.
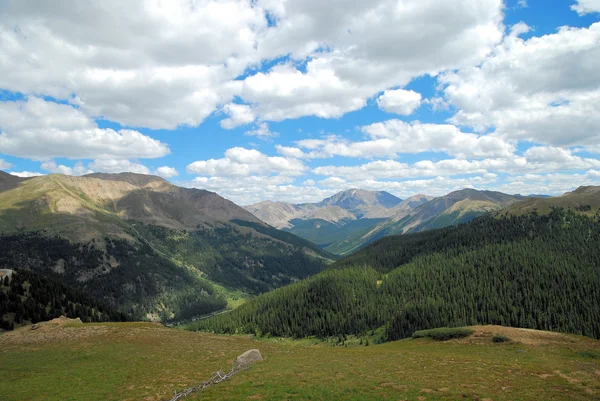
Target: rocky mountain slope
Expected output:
[330,222]
[452,209]
[145,245]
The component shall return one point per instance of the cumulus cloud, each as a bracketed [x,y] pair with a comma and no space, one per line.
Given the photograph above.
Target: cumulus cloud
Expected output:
[25,174]
[4,165]
[353,50]
[78,169]
[40,129]
[166,172]
[549,183]
[544,89]
[239,114]
[393,137]
[157,64]
[399,101]
[262,131]
[118,166]
[253,189]
[583,7]
[143,63]
[241,162]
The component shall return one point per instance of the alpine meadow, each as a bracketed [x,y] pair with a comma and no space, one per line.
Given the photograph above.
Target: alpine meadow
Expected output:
[300,200]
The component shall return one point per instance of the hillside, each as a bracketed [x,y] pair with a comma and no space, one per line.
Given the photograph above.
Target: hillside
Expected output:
[583,200]
[449,210]
[335,222]
[129,361]
[145,246]
[29,298]
[531,271]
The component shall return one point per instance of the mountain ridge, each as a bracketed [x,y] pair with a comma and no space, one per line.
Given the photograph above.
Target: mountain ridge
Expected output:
[141,243]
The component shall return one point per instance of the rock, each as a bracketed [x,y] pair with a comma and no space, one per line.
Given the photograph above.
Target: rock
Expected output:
[247,359]
[61,321]
[35,327]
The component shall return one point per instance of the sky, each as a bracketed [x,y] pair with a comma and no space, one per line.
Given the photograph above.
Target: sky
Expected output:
[295,100]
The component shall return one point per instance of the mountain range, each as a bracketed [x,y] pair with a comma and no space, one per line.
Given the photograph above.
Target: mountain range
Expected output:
[142,247]
[352,219]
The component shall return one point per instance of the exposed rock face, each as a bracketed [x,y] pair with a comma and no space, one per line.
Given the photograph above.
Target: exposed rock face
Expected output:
[247,358]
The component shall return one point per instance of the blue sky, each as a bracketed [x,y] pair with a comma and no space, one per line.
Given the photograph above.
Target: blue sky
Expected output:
[296,100]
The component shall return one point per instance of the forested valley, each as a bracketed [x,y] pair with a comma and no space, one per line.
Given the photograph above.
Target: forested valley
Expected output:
[539,272]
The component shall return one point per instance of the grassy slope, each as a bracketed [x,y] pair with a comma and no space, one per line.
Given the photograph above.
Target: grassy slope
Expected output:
[132,362]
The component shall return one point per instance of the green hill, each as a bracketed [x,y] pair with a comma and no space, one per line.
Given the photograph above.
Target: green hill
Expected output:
[531,271]
[145,246]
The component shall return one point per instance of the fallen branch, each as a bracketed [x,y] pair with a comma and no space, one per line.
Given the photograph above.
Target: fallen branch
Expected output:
[216,378]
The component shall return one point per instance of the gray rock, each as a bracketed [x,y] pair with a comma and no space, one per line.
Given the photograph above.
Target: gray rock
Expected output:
[247,359]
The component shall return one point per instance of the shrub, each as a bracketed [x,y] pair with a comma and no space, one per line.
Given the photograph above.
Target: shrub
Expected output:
[443,334]
[590,354]
[500,339]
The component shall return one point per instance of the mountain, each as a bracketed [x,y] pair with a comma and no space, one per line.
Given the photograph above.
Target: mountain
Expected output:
[452,209]
[531,271]
[144,245]
[8,181]
[348,221]
[347,205]
[583,199]
[331,222]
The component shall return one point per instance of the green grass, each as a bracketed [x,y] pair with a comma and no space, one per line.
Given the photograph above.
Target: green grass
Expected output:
[443,333]
[137,361]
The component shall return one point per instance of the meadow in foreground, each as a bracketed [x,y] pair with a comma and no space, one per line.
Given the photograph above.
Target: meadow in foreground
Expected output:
[139,361]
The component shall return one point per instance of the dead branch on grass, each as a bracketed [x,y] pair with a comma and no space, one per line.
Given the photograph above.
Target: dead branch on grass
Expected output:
[216,378]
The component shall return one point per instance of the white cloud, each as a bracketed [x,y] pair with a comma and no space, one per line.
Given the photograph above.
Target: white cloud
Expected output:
[25,174]
[241,162]
[549,183]
[78,169]
[4,165]
[253,189]
[393,137]
[288,151]
[519,29]
[39,129]
[583,7]
[399,101]
[350,51]
[262,131]
[537,159]
[166,172]
[544,89]
[239,114]
[144,63]
[160,64]
[118,166]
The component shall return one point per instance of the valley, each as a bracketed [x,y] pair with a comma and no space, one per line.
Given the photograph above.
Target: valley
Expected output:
[145,247]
